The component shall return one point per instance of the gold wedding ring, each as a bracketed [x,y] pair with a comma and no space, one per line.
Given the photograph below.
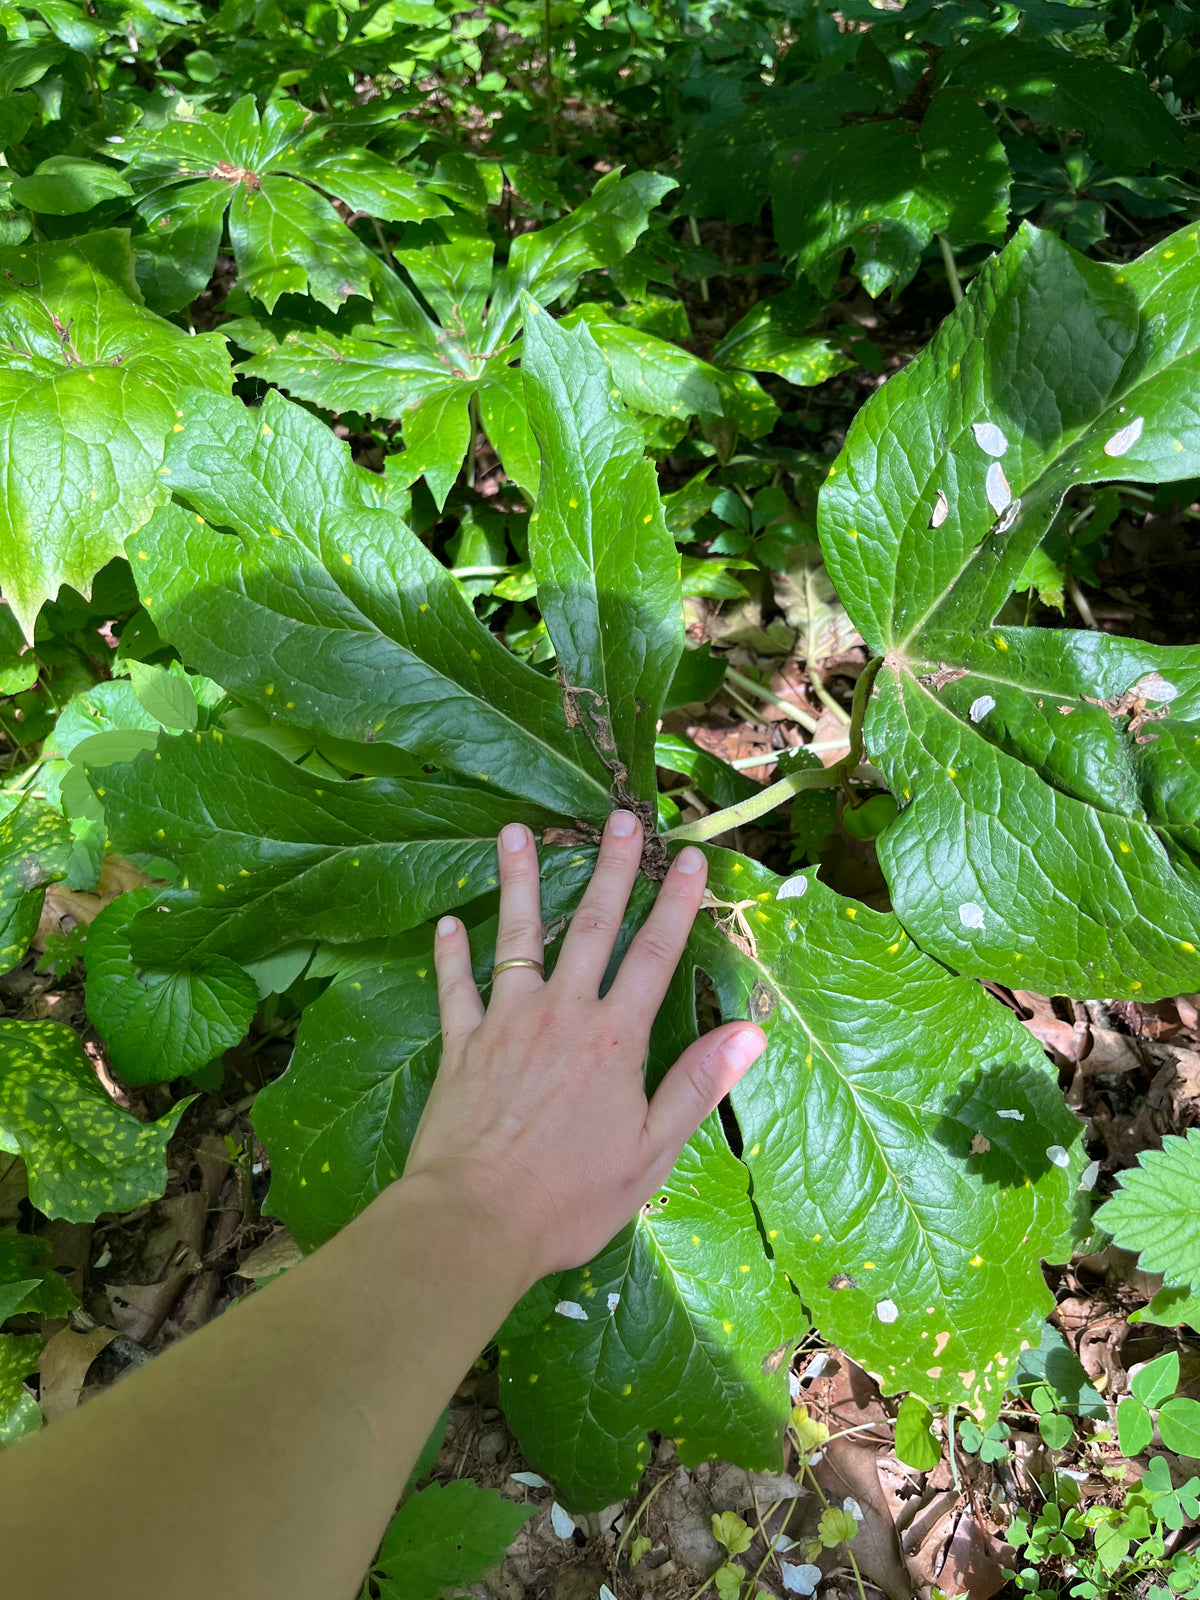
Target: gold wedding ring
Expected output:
[519,961]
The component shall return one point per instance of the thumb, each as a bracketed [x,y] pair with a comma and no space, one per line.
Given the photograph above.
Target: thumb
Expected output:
[699,1080]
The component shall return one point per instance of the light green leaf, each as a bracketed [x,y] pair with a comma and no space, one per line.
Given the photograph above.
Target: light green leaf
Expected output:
[160,1024]
[35,842]
[1156,1210]
[607,569]
[773,337]
[730,1530]
[1157,1379]
[651,374]
[62,185]
[367,182]
[903,1134]
[166,696]
[1078,870]
[19,1413]
[445,1537]
[1171,1307]
[1179,1425]
[916,1444]
[88,395]
[83,1154]
[288,240]
[437,432]
[505,419]
[274,855]
[315,575]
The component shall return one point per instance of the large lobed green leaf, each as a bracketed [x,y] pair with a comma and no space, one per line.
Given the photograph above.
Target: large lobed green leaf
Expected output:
[327,613]
[911,1157]
[607,568]
[88,394]
[1048,833]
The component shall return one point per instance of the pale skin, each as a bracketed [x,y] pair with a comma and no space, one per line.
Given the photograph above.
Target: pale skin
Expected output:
[262,1458]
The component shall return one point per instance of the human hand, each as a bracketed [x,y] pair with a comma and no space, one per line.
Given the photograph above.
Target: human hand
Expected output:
[539,1114]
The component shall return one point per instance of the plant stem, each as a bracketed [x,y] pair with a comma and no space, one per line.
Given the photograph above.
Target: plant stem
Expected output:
[551,128]
[760,692]
[696,241]
[1080,602]
[757,805]
[474,423]
[762,1525]
[633,1521]
[824,696]
[952,277]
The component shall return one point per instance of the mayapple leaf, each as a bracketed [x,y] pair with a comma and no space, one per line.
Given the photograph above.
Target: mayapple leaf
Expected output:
[651,374]
[681,1324]
[1040,842]
[911,1157]
[286,238]
[1047,775]
[160,1024]
[1156,1210]
[274,854]
[35,843]
[83,1153]
[607,569]
[339,1123]
[446,1535]
[63,185]
[87,397]
[885,188]
[326,612]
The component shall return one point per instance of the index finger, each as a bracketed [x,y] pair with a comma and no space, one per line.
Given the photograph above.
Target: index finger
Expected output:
[645,974]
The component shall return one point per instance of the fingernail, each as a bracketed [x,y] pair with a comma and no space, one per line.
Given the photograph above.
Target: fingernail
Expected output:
[446,927]
[622,823]
[513,837]
[742,1049]
[690,859]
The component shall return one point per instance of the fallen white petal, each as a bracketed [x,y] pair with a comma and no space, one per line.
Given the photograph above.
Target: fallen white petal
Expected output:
[783,1544]
[614,1300]
[563,1525]
[941,511]
[996,488]
[793,888]
[800,1580]
[1012,1116]
[1153,686]
[1125,438]
[571,1308]
[981,707]
[970,914]
[989,437]
[1058,1155]
[531,1480]
[1087,1178]
[851,1505]
[887,1311]
[817,1365]
[606,1593]
[794,1385]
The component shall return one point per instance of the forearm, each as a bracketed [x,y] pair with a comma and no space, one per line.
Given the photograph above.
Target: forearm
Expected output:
[264,1456]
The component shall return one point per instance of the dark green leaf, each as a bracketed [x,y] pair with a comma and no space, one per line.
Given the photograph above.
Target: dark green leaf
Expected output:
[83,1154]
[160,1024]
[62,185]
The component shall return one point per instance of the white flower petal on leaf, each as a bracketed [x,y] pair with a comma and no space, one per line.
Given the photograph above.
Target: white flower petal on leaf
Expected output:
[1153,686]
[614,1300]
[970,914]
[1125,438]
[941,510]
[887,1311]
[989,438]
[996,488]
[981,707]
[1012,1116]
[1058,1156]
[793,888]
[572,1309]
[562,1523]
[1087,1178]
